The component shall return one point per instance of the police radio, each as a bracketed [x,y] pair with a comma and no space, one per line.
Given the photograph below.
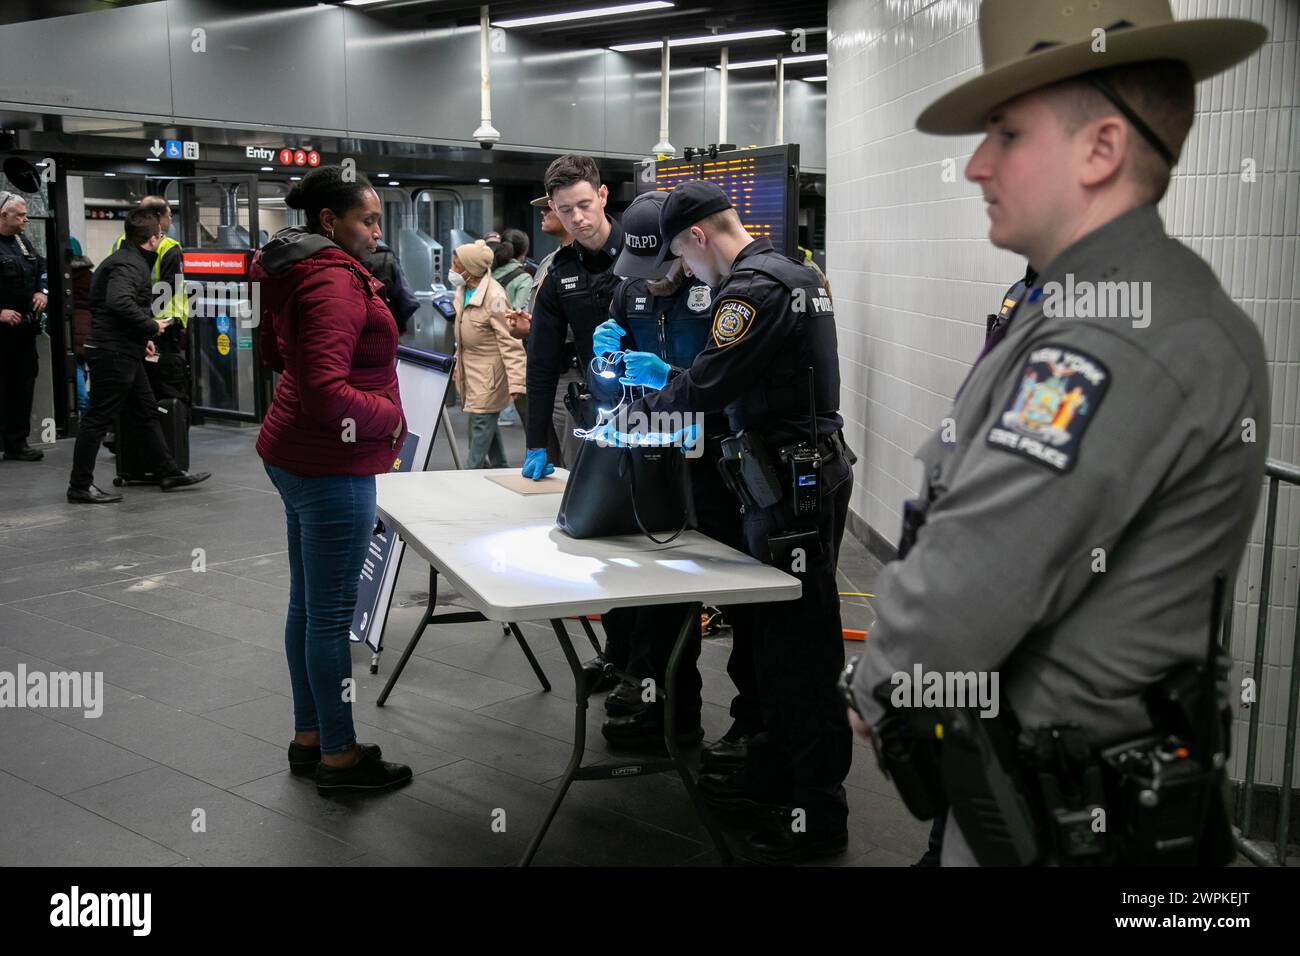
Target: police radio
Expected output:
[805,465]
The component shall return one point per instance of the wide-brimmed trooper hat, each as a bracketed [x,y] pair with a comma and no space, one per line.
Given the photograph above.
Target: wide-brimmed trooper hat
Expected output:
[1027,44]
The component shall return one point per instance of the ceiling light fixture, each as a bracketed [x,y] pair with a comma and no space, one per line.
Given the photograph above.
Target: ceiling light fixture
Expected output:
[589,14]
[697,41]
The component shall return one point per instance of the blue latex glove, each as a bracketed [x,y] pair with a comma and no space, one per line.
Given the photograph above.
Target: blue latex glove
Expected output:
[535,465]
[645,369]
[607,338]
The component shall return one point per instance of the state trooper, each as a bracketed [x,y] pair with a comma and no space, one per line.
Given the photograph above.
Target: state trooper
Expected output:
[23,298]
[661,319]
[1106,459]
[772,365]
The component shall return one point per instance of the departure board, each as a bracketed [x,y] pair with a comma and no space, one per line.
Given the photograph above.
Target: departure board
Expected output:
[757,181]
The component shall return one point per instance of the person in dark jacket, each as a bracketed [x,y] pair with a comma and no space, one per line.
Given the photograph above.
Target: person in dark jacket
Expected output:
[121,327]
[336,421]
[22,300]
[384,265]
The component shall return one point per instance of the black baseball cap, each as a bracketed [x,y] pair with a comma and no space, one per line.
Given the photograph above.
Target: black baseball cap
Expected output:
[641,240]
[686,205]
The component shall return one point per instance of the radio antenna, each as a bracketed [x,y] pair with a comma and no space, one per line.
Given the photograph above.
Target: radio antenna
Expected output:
[812,410]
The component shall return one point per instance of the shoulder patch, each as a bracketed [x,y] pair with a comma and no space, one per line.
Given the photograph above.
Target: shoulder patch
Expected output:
[731,320]
[1056,396]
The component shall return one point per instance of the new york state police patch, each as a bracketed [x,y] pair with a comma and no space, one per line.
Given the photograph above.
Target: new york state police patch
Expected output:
[731,320]
[1056,396]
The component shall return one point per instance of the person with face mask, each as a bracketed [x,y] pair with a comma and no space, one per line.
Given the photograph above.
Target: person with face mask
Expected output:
[336,421]
[490,363]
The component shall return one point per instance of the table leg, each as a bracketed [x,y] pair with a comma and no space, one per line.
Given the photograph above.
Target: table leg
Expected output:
[579,739]
[591,635]
[415,638]
[513,628]
[687,633]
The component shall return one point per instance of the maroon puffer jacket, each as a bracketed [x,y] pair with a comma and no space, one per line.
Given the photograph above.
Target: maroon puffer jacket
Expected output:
[326,329]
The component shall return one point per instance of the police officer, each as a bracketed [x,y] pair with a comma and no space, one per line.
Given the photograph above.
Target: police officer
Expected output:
[573,297]
[169,374]
[665,318]
[995,330]
[23,298]
[1106,458]
[519,321]
[773,367]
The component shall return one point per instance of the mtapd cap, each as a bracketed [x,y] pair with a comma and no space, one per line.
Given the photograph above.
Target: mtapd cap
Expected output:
[541,202]
[641,240]
[686,205]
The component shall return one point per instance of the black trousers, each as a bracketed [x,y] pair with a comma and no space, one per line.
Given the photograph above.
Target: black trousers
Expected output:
[19,365]
[118,385]
[799,653]
[718,513]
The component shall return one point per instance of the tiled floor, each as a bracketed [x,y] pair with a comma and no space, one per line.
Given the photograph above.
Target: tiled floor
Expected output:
[186,763]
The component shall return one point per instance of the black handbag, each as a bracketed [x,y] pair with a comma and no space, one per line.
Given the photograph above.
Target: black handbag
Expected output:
[619,491]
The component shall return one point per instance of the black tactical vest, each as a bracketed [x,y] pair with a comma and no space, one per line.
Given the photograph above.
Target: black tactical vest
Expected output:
[777,407]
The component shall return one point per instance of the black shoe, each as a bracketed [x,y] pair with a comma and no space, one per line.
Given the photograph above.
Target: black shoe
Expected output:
[600,675]
[24,453]
[368,773]
[303,760]
[727,793]
[644,730]
[776,843]
[180,479]
[623,700]
[726,755]
[91,496]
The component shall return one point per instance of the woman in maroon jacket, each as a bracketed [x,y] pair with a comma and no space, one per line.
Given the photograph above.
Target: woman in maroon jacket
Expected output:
[336,422]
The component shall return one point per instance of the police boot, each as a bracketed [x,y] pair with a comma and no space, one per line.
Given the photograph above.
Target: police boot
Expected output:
[599,675]
[23,452]
[791,836]
[623,700]
[727,753]
[643,729]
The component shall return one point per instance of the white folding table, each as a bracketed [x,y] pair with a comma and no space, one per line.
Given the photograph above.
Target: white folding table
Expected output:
[503,553]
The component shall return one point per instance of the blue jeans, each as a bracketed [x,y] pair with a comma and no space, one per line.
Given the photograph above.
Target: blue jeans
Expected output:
[330,522]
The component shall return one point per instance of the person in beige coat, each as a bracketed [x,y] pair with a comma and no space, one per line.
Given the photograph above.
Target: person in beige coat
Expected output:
[490,362]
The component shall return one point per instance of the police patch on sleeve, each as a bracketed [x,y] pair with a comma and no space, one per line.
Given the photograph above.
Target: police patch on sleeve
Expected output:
[731,320]
[1055,397]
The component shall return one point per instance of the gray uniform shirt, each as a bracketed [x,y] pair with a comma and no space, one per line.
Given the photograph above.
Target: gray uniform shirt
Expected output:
[1078,434]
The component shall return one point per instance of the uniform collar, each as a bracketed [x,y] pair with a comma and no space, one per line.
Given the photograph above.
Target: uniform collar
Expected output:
[753,249]
[1106,249]
[613,245]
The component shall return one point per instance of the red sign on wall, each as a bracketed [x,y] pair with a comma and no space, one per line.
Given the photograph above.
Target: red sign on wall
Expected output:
[214,263]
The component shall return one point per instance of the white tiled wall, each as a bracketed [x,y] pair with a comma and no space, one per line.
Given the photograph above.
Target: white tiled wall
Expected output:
[914,276]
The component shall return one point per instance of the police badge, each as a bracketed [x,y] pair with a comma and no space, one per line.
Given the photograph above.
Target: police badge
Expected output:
[699,298]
